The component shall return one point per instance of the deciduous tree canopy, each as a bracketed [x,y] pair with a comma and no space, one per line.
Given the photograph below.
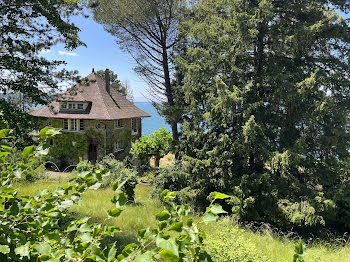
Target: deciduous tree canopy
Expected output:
[28,28]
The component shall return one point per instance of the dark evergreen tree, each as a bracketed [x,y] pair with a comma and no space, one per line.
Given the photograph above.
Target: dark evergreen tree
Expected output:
[267,87]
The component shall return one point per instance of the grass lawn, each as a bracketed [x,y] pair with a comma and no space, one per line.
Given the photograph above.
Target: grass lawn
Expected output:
[141,214]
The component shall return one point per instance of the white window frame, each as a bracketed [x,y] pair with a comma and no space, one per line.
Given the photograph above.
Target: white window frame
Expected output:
[64,105]
[74,124]
[65,121]
[118,123]
[118,146]
[82,106]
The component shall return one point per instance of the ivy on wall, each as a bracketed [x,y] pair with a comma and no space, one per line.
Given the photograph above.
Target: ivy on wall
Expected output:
[69,147]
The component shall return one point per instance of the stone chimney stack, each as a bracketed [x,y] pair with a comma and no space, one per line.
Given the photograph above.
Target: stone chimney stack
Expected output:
[108,81]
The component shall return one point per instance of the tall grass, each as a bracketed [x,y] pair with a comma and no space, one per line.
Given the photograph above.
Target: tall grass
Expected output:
[142,214]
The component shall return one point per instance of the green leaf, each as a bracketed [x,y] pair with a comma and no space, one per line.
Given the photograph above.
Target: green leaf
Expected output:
[120,200]
[168,256]
[177,226]
[145,257]
[169,245]
[218,195]
[115,212]
[66,204]
[14,209]
[162,225]
[163,215]
[5,133]
[129,249]
[111,253]
[96,186]
[28,151]
[217,209]
[4,249]
[164,193]
[43,248]
[47,132]
[85,237]
[22,251]
[84,228]
[210,217]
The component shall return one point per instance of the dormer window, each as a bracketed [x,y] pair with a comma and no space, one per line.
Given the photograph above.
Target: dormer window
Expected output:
[71,106]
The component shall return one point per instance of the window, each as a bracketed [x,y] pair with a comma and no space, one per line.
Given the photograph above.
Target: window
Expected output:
[65,124]
[80,106]
[133,125]
[49,123]
[81,124]
[64,106]
[118,146]
[119,123]
[73,125]
[72,106]
[98,126]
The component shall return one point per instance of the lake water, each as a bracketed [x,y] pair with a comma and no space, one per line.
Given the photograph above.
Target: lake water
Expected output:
[150,124]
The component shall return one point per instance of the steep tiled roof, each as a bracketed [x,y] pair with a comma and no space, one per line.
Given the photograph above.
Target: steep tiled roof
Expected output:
[103,105]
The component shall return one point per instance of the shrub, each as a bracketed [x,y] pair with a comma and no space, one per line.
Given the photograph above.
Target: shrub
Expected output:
[176,180]
[227,243]
[84,165]
[33,170]
[118,172]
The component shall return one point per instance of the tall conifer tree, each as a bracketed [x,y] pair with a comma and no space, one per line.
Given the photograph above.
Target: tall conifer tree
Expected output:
[267,86]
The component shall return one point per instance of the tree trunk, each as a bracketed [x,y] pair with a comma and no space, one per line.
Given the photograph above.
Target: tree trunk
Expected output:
[170,95]
[157,160]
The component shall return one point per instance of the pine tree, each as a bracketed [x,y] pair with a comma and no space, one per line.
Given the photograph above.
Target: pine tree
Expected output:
[267,87]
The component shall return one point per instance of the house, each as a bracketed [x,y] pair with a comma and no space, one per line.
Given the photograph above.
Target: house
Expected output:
[92,108]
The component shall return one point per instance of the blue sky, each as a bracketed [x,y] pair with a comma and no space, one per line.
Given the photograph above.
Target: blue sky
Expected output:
[101,52]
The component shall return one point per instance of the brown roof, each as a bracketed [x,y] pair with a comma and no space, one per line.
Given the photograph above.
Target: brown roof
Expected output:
[102,106]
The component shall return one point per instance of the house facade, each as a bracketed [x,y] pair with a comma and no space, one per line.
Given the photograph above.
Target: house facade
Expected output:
[93,110]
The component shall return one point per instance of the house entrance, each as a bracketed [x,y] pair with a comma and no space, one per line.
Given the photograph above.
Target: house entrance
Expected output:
[92,155]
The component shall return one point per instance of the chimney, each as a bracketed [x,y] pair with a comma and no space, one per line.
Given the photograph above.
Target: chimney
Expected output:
[108,81]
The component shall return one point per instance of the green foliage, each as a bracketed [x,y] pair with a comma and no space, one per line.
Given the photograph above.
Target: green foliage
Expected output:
[176,238]
[300,252]
[68,148]
[83,165]
[124,89]
[230,244]
[266,101]
[31,74]
[156,144]
[119,172]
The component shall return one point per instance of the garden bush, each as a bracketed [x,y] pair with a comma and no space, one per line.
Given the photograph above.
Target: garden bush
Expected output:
[118,172]
[227,243]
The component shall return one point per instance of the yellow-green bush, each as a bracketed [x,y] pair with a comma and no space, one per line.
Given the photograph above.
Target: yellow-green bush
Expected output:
[227,243]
